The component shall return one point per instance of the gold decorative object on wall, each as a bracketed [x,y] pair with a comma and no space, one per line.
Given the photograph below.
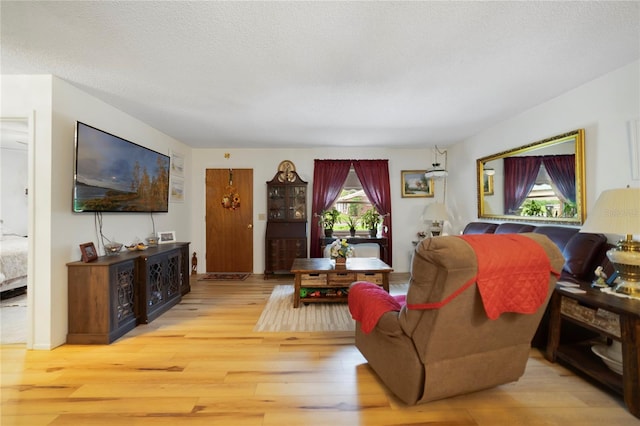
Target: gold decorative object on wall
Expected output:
[286,169]
[231,199]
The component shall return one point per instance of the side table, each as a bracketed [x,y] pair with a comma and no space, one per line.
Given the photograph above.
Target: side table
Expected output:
[609,316]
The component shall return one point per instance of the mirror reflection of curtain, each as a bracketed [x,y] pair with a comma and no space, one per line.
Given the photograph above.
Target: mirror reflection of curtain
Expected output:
[329,177]
[519,177]
[562,171]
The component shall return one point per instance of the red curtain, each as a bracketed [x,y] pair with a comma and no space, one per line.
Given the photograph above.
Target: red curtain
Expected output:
[374,177]
[329,177]
[519,177]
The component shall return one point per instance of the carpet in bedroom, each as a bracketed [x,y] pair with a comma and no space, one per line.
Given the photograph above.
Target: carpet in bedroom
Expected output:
[13,317]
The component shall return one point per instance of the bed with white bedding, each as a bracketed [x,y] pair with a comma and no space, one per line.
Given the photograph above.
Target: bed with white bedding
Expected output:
[14,252]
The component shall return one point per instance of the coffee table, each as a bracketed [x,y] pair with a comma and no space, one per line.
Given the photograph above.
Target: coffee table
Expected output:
[320,276]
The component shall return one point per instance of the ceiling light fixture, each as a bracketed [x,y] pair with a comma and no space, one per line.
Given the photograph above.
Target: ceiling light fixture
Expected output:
[437,171]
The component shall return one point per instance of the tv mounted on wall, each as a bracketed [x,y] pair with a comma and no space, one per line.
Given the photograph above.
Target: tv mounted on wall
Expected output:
[115,175]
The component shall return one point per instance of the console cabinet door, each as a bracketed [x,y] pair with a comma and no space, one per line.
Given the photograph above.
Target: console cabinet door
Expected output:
[123,294]
[155,285]
[173,281]
[160,282]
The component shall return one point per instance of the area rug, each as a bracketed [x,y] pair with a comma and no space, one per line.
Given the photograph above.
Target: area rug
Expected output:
[279,314]
[224,276]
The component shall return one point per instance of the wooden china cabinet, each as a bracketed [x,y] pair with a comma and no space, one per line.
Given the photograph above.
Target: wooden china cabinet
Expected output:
[286,236]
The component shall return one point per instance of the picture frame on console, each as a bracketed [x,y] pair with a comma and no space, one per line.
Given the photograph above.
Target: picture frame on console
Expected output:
[414,184]
[89,253]
[166,237]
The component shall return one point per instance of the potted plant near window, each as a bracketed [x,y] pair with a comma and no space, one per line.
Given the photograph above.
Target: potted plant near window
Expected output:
[328,219]
[352,221]
[532,208]
[370,220]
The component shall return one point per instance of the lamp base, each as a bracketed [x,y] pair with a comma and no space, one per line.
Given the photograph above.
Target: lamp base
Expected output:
[435,228]
[625,257]
[630,288]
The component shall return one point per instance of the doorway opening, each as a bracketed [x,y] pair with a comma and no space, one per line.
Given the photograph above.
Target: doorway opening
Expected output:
[15,139]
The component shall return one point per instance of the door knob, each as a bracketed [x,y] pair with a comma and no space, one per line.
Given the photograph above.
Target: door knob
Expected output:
[250,226]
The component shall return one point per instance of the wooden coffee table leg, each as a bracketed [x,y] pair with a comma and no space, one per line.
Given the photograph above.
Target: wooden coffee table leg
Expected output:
[296,291]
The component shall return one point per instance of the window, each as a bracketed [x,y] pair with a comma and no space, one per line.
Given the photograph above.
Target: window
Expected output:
[353,202]
[329,179]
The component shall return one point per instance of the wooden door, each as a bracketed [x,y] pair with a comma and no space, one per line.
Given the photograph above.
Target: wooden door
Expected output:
[229,235]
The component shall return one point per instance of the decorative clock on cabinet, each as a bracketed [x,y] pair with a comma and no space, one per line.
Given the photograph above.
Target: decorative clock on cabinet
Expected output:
[286,237]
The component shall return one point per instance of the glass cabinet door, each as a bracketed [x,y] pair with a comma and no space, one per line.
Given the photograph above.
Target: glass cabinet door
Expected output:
[297,203]
[276,202]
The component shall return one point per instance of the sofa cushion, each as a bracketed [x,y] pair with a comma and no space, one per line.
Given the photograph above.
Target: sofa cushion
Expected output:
[559,235]
[480,228]
[513,228]
[581,252]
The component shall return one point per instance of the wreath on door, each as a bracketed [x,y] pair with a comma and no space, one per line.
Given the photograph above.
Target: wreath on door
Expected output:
[231,198]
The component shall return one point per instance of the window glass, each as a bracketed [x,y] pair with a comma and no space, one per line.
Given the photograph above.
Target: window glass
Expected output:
[353,202]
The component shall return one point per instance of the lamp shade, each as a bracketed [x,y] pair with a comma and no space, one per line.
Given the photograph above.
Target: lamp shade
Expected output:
[617,211]
[436,172]
[435,211]
[489,171]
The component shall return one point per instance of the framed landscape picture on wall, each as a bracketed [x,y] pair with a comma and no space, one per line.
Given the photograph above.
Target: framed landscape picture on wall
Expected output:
[415,184]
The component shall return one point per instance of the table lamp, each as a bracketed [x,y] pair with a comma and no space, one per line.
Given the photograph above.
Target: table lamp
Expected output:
[617,211]
[437,213]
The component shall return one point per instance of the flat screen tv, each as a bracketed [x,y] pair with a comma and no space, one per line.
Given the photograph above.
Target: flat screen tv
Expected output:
[115,175]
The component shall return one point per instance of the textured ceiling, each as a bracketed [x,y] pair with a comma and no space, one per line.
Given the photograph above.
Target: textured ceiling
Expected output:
[312,74]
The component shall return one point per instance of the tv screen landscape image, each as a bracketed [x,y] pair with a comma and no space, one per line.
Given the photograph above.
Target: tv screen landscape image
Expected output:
[115,175]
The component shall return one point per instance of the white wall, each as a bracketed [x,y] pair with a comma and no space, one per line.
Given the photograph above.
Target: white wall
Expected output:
[604,107]
[57,232]
[406,212]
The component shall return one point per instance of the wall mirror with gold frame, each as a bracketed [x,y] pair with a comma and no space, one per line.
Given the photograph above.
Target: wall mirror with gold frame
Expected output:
[539,182]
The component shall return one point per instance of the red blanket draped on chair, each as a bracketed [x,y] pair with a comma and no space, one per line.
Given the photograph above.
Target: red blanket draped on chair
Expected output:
[368,302]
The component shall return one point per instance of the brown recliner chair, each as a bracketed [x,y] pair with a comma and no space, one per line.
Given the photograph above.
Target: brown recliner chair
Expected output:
[428,354]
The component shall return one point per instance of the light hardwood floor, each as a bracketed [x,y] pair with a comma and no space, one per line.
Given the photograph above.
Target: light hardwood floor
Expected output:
[201,364]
